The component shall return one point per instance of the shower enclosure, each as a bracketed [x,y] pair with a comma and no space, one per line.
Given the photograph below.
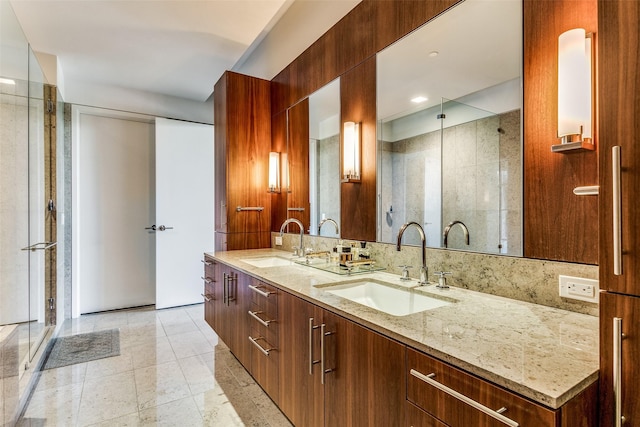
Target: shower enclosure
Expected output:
[27,206]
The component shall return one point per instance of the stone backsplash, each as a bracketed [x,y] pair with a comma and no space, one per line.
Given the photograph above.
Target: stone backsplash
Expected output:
[523,279]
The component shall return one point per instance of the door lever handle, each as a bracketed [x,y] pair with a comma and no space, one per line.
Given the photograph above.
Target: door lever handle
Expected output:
[162,228]
[153,227]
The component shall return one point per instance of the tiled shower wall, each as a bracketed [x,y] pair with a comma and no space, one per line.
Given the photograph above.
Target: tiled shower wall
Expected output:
[481,179]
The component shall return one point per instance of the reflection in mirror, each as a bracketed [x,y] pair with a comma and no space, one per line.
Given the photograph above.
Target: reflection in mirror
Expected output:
[324,160]
[442,161]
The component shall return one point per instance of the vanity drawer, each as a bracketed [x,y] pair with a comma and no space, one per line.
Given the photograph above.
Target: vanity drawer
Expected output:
[460,399]
[263,323]
[264,296]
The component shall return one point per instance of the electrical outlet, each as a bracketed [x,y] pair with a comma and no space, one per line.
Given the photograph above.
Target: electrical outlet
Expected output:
[278,240]
[579,288]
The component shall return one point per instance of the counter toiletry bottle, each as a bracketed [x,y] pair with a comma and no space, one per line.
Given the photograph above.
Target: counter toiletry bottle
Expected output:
[345,256]
[335,257]
[355,251]
[364,252]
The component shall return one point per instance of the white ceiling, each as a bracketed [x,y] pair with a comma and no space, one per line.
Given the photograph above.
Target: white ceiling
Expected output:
[177,48]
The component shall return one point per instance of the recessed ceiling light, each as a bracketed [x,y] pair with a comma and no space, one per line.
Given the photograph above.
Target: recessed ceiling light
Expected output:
[418,99]
[7,81]
[433,53]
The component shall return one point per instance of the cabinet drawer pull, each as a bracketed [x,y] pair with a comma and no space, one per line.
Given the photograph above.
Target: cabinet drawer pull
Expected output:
[254,314]
[617,210]
[451,392]
[259,291]
[207,263]
[322,366]
[206,297]
[264,351]
[618,336]
[311,361]
[207,279]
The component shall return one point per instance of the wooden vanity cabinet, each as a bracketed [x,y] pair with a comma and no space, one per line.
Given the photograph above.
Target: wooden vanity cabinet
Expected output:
[227,307]
[363,382]
[264,336]
[453,410]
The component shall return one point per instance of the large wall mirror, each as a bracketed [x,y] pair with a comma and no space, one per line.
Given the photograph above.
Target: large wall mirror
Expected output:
[449,100]
[324,160]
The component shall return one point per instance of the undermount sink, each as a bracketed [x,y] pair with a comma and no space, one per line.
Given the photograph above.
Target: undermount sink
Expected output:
[267,261]
[382,296]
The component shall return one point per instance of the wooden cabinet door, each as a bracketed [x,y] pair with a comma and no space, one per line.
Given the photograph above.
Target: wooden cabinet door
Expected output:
[619,122]
[301,392]
[238,303]
[627,309]
[365,385]
[416,417]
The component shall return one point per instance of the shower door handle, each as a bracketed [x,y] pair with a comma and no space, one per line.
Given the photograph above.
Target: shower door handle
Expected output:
[42,246]
[162,228]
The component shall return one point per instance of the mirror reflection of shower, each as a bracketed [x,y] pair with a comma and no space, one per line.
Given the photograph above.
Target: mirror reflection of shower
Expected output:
[324,158]
[454,162]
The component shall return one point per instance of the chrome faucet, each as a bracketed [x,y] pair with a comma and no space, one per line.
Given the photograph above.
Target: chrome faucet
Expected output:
[328,220]
[445,234]
[423,270]
[297,251]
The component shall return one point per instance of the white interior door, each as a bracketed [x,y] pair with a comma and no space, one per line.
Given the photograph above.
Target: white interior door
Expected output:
[184,205]
[113,201]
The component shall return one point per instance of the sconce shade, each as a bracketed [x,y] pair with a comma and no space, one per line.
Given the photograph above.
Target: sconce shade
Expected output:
[351,152]
[274,172]
[284,163]
[574,86]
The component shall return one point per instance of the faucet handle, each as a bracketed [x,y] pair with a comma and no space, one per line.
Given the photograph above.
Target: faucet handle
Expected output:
[442,279]
[405,272]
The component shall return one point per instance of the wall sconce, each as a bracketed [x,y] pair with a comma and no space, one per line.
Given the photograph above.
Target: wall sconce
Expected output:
[351,152]
[575,91]
[284,164]
[274,172]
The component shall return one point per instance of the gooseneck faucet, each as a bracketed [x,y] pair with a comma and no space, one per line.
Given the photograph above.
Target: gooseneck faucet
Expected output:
[423,270]
[445,234]
[295,221]
[328,220]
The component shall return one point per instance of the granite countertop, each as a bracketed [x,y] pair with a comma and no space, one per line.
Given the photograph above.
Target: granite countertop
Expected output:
[546,354]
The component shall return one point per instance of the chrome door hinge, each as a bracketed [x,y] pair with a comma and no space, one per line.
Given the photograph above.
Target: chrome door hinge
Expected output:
[50,107]
[52,304]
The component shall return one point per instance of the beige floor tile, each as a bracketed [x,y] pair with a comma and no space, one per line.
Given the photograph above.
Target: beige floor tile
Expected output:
[109,366]
[179,413]
[130,420]
[190,344]
[145,355]
[160,384]
[216,409]
[59,407]
[107,398]
[181,327]
[59,377]
[198,371]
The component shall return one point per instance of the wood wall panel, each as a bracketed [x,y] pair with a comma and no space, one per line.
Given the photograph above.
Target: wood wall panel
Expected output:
[243,131]
[358,200]
[298,149]
[396,19]
[279,145]
[619,64]
[557,225]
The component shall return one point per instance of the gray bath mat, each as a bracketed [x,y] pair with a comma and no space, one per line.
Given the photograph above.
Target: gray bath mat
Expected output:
[83,348]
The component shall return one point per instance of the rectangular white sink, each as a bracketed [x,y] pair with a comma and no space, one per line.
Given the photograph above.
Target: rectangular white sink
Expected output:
[267,261]
[385,297]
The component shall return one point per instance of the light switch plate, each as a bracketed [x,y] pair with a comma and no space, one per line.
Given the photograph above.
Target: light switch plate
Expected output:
[278,240]
[579,288]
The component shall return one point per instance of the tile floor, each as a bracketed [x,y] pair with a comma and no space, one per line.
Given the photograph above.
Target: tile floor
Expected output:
[172,371]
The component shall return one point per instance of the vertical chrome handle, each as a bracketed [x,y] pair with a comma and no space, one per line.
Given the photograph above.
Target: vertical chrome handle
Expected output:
[617,370]
[311,361]
[234,281]
[322,364]
[617,210]
[225,283]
